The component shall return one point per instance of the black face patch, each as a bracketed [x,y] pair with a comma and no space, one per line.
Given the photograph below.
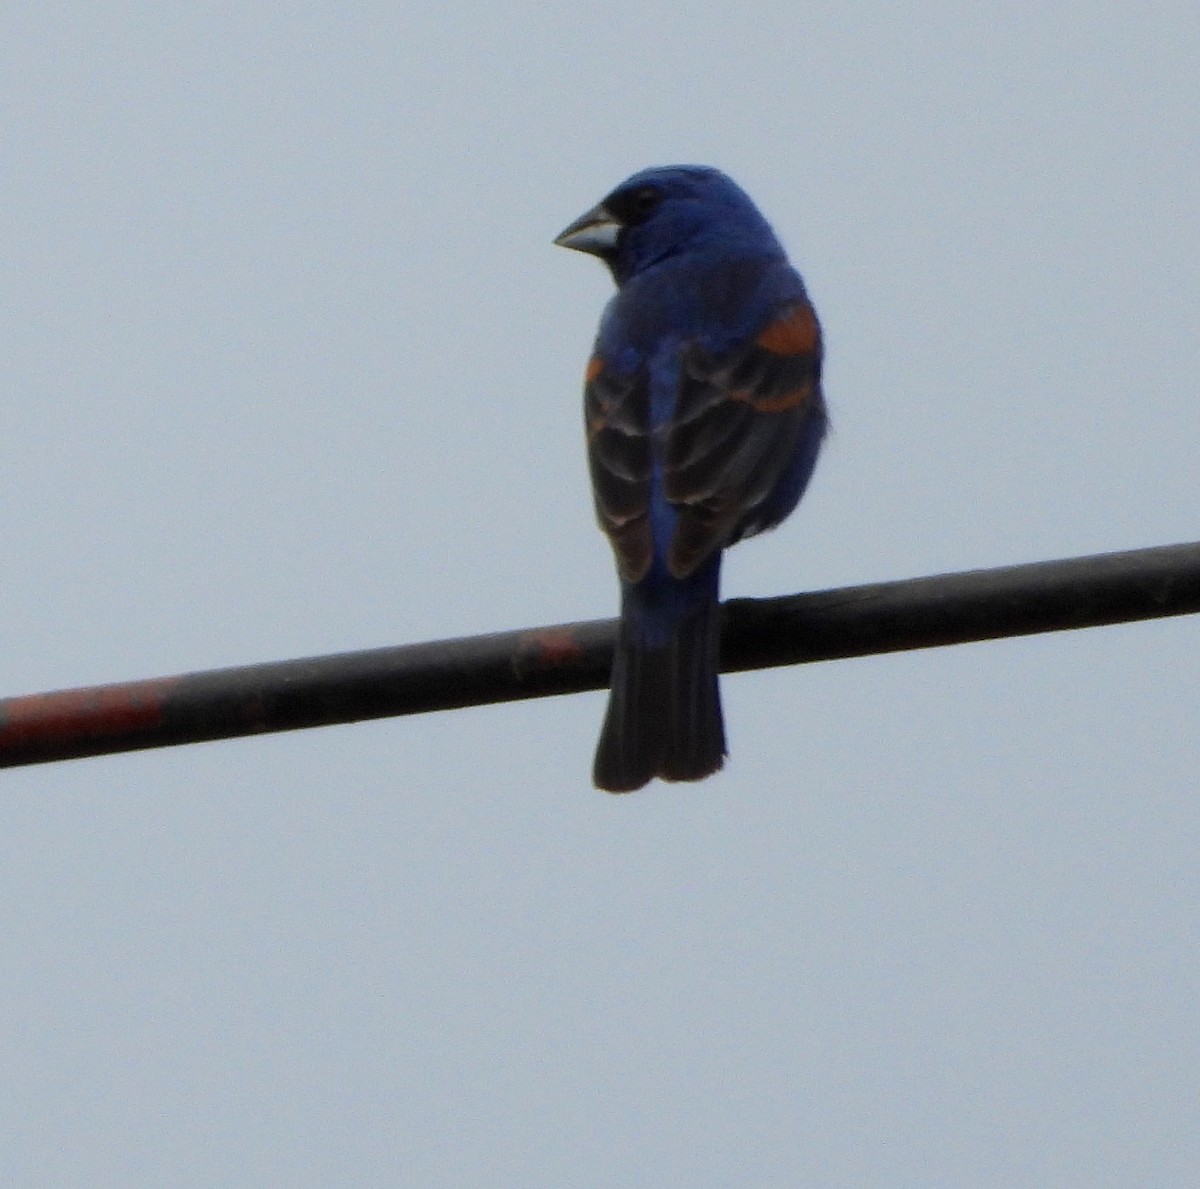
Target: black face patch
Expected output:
[633,206]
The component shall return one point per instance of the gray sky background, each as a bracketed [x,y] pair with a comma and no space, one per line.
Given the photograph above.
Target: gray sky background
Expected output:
[290,367]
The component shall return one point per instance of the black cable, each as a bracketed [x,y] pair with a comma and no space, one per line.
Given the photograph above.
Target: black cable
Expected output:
[538,662]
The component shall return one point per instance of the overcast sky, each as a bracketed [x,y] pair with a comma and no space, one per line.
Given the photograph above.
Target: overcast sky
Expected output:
[291,367]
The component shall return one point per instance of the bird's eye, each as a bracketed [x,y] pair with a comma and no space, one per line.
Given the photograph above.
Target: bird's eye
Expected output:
[645,200]
[633,205]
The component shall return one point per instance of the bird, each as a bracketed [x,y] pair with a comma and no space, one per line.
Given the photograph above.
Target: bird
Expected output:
[704,415]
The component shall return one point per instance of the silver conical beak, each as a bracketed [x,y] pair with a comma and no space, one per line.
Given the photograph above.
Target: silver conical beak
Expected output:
[595,233]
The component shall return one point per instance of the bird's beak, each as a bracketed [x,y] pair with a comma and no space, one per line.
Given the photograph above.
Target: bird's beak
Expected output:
[595,232]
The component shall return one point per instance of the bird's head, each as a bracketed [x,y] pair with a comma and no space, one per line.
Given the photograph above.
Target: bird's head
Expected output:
[665,212]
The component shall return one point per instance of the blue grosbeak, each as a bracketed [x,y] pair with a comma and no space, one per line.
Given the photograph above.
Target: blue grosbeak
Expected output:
[704,415]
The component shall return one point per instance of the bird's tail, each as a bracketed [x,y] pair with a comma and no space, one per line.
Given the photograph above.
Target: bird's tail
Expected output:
[664,709]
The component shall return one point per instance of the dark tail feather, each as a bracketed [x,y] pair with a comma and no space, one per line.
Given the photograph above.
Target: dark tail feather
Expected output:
[664,711]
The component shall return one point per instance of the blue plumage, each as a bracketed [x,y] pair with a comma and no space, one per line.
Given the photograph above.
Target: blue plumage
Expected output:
[704,416]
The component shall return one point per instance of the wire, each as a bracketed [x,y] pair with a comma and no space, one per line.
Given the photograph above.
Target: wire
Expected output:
[568,658]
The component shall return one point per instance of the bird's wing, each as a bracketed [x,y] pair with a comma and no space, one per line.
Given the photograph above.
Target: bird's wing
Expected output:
[617,413]
[738,422]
